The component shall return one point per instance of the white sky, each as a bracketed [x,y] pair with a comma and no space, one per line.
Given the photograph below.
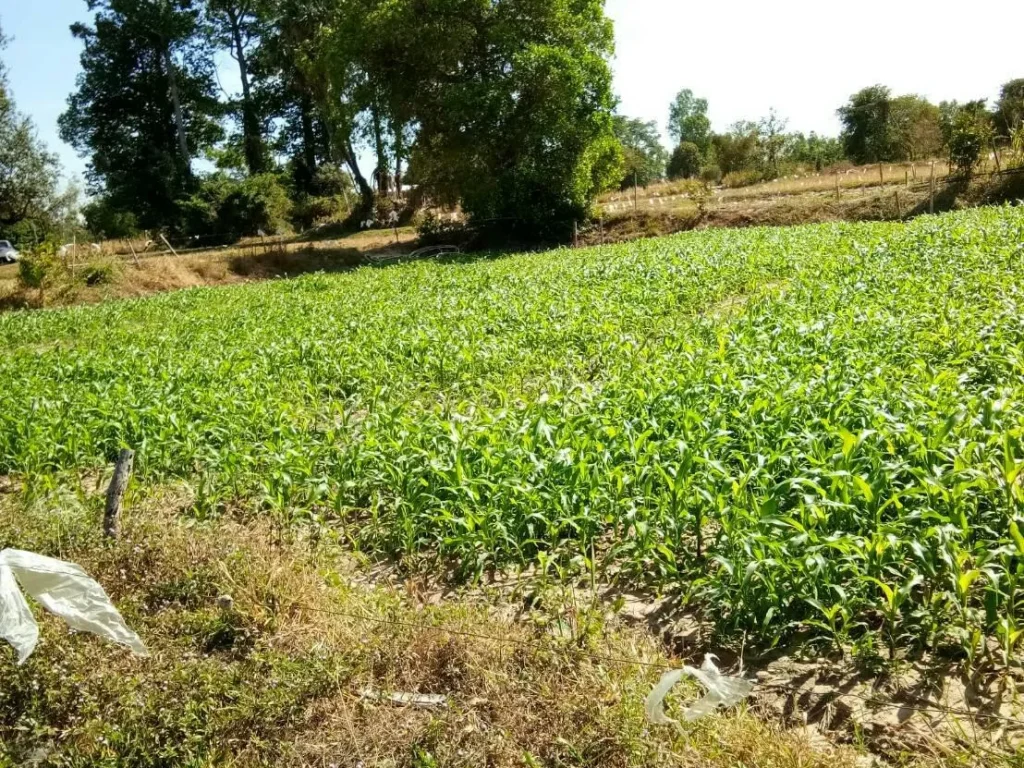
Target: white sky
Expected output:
[803,58]
[806,58]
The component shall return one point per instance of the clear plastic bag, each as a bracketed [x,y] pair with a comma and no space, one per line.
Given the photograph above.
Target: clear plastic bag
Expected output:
[722,691]
[63,589]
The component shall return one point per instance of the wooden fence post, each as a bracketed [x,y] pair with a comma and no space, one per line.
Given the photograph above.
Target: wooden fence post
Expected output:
[168,244]
[881,174]
[134,254]
[931,191]
[115,494]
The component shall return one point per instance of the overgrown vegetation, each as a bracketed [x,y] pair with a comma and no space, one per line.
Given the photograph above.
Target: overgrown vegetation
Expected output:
[784,425]
[261,650]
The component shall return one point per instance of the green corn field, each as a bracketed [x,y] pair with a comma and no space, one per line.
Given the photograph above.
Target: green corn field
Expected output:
[816,430]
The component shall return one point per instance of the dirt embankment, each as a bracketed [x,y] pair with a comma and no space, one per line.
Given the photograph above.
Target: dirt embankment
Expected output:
[115,277]
[892,202]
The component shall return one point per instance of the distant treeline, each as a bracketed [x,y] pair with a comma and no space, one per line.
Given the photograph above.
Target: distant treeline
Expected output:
[504,109]
[877,127]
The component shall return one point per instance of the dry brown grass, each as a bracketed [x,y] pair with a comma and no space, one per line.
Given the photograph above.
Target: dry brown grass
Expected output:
[861,180]
[253,259]
[276,679]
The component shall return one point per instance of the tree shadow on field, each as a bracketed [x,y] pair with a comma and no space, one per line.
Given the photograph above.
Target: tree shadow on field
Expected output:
[280,263]
[947,197]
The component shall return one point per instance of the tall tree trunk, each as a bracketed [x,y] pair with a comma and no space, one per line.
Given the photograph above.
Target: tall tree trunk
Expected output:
[399,152]
[308,134]
[381,175]
[179,119]
[341,149]
[365,191]
[253,141]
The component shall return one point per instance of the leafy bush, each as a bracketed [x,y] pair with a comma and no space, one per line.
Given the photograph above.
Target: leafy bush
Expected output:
[741,179]
[259,203]
[434,230]
[39,270]
[232,209]
[685,162]
[711,174]
[107,222]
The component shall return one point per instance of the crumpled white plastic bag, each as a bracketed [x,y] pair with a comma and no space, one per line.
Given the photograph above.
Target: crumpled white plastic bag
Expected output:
[63,589]
[722,691]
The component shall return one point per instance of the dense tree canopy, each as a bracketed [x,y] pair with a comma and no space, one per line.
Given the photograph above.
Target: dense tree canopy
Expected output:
[688,120]
[867,135]
[685,162]
[504,108]
[30,202]
[518,118]
[644,156]
[1010,107]
[145,104]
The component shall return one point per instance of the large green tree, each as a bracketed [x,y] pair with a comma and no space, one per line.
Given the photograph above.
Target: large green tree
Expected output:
[685,162]
[645,157]
[144,105]
[1010,107]
[237,27]
[969,133]
[515,111]
[771,141]
[737,149]
[29,174]
[688,120]
[914,129]
[866,135]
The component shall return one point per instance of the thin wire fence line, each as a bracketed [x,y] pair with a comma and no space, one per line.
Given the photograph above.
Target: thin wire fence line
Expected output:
[836,695]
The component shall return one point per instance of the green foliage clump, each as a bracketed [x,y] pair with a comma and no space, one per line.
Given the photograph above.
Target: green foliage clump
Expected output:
[228,208]
[688,120]
[109,222]
[970,134]
[644,156]
[528,152]
[685,162]
[34,270]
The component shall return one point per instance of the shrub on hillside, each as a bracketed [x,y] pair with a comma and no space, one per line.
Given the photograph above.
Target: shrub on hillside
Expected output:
[230,209]
[711,174]
[107,222]
[39,270]
[685,162]
[741,179]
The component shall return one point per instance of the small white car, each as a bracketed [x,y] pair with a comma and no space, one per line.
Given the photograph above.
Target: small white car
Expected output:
[7,253]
